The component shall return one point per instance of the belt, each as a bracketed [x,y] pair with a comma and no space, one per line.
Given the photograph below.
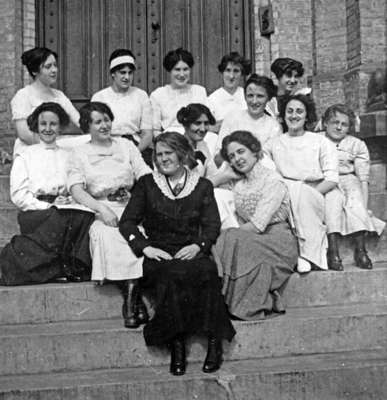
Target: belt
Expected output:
[48,198]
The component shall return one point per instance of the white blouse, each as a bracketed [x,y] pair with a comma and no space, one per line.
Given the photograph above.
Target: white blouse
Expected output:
[222,103]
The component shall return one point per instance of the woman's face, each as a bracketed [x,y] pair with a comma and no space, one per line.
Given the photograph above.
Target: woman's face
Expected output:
[198,129]
[123,78]
[100,127]
[241,157]
[256,99]
[48,71]
[337,127]
[180,74]
[232,76]
[48,127]
[295,115]
[288,82]
[167,160]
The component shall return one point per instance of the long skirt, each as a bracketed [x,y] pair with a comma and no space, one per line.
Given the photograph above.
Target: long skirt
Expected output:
[187,300]
[112,257]
[49,238]
[253,266]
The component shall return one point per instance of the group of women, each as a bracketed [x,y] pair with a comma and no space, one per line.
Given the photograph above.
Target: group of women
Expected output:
[200,203]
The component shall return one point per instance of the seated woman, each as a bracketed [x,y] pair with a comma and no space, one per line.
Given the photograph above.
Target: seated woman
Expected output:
[54,242]
[130,105]
[348,203]
[256,259]
[258,91]
[230,97]
[42,66]
[178,211]
[101,175]
[308,162]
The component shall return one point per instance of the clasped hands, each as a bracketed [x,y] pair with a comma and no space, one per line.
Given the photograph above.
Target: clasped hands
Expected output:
[185,253]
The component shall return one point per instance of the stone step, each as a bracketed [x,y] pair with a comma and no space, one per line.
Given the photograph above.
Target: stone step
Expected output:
[105,344]
[357,375]
[87,301]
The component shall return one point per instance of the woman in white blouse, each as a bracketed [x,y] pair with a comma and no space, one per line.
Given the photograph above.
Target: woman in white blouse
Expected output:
[130,105]
[54,240]
[41,64]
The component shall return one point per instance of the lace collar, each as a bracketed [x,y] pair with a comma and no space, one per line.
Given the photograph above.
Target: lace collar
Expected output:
[190,184]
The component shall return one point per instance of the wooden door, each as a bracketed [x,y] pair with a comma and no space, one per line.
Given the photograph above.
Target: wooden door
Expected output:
[85,32]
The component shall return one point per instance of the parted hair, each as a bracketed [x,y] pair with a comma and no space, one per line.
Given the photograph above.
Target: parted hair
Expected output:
[306,101]
[331,112]
[179,144]
[262,81]
[242,137]
[87,109]
[235,58]
[189,114]
[57,109]
[286,65]
[174,56]
[34,58]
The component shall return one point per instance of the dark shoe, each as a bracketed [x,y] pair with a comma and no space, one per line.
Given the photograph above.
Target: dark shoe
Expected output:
[70,274]
[278,306]
[128,306]
[362,260]
[334,263]
[213,359]
[177,366]
[59,279]
[141,311]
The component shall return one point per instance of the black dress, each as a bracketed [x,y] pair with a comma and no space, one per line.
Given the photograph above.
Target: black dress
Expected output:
[186,293]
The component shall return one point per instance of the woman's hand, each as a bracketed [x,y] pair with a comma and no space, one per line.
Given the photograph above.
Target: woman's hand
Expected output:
[188,252]
[107,216]
[156,254]
[62,200]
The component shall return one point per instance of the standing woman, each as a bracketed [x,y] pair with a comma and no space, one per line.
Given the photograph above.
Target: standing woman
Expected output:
[42,66]
[54,242]
[258,91]
[130,105]
[230,97]
[101,176]
[178,211]
[308,162]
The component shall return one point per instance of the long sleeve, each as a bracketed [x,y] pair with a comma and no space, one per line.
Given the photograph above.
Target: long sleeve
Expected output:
[75,173]
[225,130]
[132,216]
[139,166]
[156,112]
[146,114]
[362,161]
[329,161]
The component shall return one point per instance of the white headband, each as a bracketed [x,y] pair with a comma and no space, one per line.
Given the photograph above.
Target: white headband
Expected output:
[122,60]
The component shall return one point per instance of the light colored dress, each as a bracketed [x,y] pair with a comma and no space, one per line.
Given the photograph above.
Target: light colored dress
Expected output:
[346,203]
[305,161]
[223,103]
[254,264]
[28,98]
[132,110]
[102,171]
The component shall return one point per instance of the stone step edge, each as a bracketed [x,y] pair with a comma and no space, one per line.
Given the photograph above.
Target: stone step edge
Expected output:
[116,324]
[228,372]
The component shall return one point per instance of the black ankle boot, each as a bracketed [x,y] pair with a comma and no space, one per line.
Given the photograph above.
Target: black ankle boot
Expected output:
[213,359]
[361,257]
[129,292]
[278,306]
[177,366]
[141,311]
[333,257]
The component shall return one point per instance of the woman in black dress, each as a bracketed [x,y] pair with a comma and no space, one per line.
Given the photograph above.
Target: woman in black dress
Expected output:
[179,214]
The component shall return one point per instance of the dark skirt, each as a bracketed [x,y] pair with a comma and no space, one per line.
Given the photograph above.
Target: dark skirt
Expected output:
[187,300]
[49,240]
[253,266]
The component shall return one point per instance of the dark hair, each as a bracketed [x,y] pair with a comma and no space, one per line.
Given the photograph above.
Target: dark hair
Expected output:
[264,82]
[57,109]
[174,56]
[282,66]
[179,144]
[34,58]
[189,114]
[119,53]
[306,101]
[242,137]
[331,112]
[87,109]
[235,58]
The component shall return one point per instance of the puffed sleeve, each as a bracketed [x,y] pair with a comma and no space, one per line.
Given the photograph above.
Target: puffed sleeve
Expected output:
[21,194]
[362,161]
[328,160]
[75,171]
[20,105]
[139,166]
[132,216]
[156,111]
[272,197]
[209,220]
[69,108]
[146,113]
